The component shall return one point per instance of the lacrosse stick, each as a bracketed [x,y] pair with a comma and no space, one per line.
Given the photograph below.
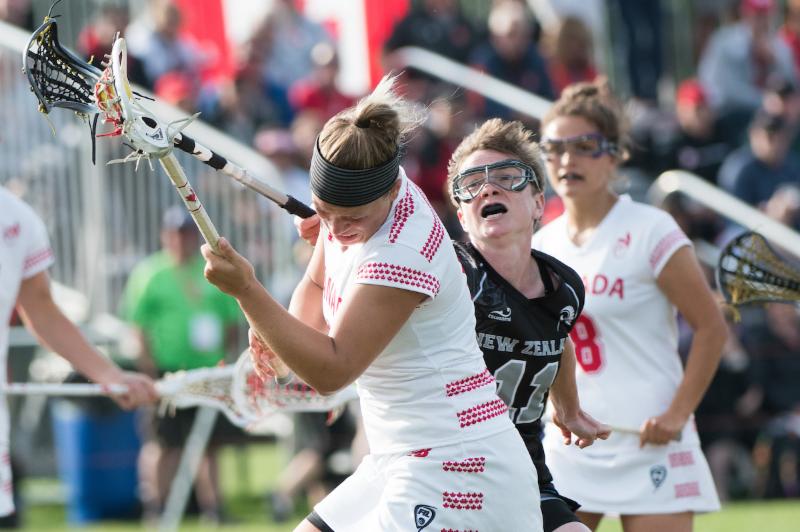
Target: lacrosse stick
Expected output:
[59,78]
[750,271]
[236,390]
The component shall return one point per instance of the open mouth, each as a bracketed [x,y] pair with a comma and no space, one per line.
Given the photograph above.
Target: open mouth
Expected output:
[571,176]
[493,209]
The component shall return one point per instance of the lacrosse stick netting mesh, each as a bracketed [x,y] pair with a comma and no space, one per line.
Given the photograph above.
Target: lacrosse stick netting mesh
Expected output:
[57,77]
[750,271]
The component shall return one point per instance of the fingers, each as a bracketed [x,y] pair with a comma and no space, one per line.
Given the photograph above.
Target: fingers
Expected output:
[308,228]
[261,366]
[140,390]
[654,432]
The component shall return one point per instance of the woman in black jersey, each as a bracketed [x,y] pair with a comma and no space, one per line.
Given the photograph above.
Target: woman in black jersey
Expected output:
[526,302]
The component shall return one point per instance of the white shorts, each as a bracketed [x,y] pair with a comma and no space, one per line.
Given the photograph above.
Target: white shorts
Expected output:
[617,477]
[487,484]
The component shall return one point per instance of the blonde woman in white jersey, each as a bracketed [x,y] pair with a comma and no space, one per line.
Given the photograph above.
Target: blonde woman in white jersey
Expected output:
[638,268]
[384,303]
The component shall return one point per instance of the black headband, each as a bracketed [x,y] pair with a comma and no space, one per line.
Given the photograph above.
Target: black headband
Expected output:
[351,188]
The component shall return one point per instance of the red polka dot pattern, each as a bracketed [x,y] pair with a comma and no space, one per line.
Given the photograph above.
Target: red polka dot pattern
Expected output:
[482,412]
[469,383]
[399,274]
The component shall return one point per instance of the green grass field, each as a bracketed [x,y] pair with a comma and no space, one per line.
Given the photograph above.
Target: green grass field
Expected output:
[248,473]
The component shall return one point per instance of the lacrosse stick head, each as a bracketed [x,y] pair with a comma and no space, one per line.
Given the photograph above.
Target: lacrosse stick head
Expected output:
[117,101]
[58,77]
[750,271]
[242,396]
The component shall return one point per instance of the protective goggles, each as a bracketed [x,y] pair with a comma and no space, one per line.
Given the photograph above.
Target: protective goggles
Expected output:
[592,145]
[510,174]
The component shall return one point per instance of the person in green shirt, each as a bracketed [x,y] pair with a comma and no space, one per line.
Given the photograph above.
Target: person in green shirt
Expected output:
[182,322]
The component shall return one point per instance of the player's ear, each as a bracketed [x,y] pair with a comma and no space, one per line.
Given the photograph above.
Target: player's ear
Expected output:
[460,215]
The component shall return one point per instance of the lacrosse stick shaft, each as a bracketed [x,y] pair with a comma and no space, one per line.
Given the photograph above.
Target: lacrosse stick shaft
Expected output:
[65,390]
[218,162]
[176,174]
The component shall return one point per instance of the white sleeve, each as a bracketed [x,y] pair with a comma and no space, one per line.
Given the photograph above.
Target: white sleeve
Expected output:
[38,254]
[400,266]
[664,239]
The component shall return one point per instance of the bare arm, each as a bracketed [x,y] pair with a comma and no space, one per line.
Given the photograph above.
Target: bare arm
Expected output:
[683,283]
[305,305]
[370,318]
[43,317]
[569,416]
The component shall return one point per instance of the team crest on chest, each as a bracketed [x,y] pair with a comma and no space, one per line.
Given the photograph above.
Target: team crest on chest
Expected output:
[622,245]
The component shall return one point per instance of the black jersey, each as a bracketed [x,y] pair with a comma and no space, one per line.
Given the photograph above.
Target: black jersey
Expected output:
[522,339]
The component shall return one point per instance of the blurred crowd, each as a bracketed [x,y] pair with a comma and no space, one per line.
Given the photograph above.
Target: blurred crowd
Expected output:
[732,118]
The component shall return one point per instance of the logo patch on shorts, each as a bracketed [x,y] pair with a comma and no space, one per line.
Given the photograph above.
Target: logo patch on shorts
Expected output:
[423,515]
[658,473]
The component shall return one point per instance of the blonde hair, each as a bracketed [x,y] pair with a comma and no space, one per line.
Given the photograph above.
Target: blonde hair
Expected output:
[371,132]
[497,135]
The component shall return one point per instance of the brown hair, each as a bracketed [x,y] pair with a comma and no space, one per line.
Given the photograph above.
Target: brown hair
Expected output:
[497,135]
[369,133]
[594,103]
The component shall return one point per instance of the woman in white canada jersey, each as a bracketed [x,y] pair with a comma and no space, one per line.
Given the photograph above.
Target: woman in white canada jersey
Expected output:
[384,303]
[638,268]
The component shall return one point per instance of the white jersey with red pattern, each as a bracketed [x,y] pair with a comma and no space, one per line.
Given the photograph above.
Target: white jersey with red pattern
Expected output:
[626,339]
[430,386]
[24,252]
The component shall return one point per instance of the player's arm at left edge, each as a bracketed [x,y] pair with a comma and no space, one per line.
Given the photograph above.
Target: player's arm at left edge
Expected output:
[683,282]
[569,416]
[54,330]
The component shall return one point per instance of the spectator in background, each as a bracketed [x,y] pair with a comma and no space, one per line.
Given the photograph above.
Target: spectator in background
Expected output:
[96,39]
[176,88]
[641,25]
[691,140]
[428,154]
[782,98]
[436,25]
[157,42]
[510,54]
[739,58]
[182,323]
[572,58]
[790,31]
[318,91]
[290,38]
[754,172]
[250,101]
[772,336]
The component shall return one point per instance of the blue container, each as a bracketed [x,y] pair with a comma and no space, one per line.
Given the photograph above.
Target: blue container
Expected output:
[96,453]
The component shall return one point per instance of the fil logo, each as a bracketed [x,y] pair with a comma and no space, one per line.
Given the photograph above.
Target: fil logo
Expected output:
[658,473]
[423,515]
[501,315]
[622,245]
